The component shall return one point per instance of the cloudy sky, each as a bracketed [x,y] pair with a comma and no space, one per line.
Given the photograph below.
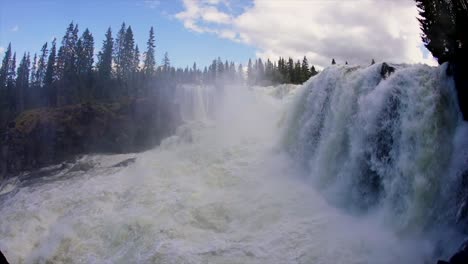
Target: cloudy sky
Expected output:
[199,30]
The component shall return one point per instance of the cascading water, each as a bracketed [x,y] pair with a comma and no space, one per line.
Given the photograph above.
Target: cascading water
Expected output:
[223,190]
[394,144]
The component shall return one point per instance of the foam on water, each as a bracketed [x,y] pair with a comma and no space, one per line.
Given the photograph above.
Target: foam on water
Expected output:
[219,191]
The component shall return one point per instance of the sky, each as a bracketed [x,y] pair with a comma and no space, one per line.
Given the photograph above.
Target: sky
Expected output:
[190,31]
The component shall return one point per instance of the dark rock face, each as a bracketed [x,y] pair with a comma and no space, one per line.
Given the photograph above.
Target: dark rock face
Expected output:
[47,136]
[461,257]
[3,260]
[460,76]
[386,70]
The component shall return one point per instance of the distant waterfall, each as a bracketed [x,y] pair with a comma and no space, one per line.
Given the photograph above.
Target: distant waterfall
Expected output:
[387,141]
[196,101]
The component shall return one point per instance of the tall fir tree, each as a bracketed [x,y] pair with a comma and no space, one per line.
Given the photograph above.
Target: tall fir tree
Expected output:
[119,47]
[42,65]
[250,73]
[4,69]
[104,64]
[305,69]
[128,55]
[166,63]
[11,84]
[150,62]
[85,54]
[51,76]
[32,78]
[22,83]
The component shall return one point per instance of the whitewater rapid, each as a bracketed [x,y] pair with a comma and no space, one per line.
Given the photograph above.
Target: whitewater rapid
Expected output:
[224,189]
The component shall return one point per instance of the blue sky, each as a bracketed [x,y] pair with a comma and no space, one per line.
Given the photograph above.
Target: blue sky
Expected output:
[27,24]
[200,30]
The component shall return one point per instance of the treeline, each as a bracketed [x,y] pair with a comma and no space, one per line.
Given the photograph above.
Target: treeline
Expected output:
[66,73]
[283,71]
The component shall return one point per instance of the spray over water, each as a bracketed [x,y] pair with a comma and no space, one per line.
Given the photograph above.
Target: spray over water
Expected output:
[224,190]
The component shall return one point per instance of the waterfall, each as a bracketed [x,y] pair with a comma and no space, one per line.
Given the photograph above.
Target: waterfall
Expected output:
[391,142]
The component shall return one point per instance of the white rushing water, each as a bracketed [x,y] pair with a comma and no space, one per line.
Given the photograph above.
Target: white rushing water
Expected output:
[224,190]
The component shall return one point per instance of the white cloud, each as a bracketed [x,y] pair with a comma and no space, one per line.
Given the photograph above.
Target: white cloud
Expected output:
[202,15]
[15,28]
[151,3]
[349,30]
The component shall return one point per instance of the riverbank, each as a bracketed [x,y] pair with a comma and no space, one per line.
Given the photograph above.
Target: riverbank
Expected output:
[45,136]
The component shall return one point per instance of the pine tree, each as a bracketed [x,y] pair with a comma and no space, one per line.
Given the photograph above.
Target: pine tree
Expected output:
[305,70]
[11,84]
[372,62]
[42,65]
[119,47]
[32,78]
[128,55]
[313,71]
[250,73]
[85,54]
[136,59]
[290,78]
[240,73]
[22,83]
[333,62]
[4,69]
[11,77]
[166,63]
[298,78]
[260,71]
[150,62]
[104,64]
[50,76]
[67,56]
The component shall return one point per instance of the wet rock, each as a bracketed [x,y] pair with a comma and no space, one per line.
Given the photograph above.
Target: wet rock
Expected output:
[84,166]
[3,260]
[458,70]
[461,257]
[124,163]
[386,70]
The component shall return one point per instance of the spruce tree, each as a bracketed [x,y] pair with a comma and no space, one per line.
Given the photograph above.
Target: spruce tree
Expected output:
[4,69]
[136,59]
[150,62]
[11,84]
[104,64]
[67,56]
[22,83]
[333,62]
[305,69]
[32,79]
[166,63]
[85,54]
[290,78]
[128,55]
[42,65]
[50,77]
[250,74]
[119,47]
[313,71]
